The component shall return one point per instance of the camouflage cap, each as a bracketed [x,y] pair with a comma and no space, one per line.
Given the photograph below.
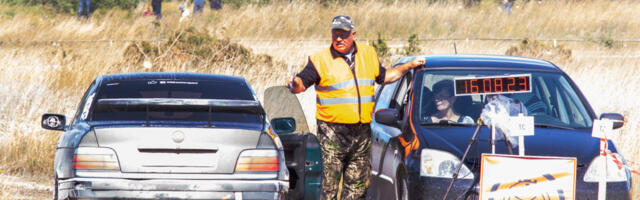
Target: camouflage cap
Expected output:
[342,22]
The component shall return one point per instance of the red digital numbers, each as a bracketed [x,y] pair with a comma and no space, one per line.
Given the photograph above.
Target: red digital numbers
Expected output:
[498,85]
[474,86]
[493,85]
[524,83]
[486,85]
[510,83]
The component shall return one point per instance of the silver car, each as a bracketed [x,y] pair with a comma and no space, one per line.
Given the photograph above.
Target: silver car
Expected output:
[168,136]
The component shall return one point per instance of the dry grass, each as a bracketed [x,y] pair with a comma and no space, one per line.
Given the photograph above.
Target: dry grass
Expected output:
[593,19]
[44,77]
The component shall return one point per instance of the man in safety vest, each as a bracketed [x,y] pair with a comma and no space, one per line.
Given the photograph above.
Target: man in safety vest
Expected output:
[344,76]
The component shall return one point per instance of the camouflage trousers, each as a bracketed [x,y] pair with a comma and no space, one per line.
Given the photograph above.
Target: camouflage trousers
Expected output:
[345,152]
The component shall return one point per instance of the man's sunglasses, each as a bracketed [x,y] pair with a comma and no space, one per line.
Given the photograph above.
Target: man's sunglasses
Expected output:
[341,34]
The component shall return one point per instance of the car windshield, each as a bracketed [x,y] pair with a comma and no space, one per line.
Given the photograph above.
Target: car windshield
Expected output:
[549,98]
[172,89]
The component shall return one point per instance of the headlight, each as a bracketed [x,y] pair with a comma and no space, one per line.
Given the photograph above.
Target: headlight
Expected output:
[614,174]
[435,163]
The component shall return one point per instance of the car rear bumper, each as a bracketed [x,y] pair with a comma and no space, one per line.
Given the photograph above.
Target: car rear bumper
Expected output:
[109,188]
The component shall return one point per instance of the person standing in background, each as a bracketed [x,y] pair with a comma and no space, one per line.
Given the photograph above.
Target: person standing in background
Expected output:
[157,8]
[84,5]
[215,4]
[508,4]
[198,5]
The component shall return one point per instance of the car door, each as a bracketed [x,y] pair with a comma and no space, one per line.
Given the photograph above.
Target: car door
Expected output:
[384,155]
[302,149]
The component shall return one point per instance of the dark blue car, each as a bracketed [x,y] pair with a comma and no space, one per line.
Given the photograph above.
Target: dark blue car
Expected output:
[418,144]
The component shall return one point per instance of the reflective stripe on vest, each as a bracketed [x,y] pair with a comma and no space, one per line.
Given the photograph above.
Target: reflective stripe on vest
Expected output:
[345,100]
[343,95]
[345,84]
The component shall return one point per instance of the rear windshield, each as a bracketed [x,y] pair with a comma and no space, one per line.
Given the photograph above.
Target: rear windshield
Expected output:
[173,89]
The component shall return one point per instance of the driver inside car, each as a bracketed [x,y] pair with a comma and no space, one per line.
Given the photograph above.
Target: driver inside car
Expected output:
[444,101]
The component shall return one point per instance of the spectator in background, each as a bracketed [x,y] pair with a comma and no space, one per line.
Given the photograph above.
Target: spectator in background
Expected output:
[84,5]
[147,12]
[157,8]
[215,4]
[184,12]
[507,6]
[197,6]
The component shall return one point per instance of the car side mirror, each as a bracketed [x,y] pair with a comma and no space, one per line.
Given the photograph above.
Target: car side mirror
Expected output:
[283,125]
[618,119]
[54,122]
[388,117]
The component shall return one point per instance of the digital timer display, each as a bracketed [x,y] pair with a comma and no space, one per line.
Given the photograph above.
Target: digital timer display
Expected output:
[492,85]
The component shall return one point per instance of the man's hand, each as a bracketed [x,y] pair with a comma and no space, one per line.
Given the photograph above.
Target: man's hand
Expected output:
[418,61]
[295,84]
[292,83]
[395,73]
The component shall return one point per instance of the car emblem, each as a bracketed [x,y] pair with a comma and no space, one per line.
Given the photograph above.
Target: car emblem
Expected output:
[177,136]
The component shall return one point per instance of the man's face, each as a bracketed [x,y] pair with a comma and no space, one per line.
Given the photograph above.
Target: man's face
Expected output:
[342,40]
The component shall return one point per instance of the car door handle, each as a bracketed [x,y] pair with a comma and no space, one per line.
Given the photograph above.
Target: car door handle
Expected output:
[309,163]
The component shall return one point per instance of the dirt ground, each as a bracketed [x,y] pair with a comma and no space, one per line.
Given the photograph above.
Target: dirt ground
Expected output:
[22,187]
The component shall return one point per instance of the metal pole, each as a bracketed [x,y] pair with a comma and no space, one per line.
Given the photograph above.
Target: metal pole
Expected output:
[602,184]
[521,137]
[493,137]
[464,156]
[521,145]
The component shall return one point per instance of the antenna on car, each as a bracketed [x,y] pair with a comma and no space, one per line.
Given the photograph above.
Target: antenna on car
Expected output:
[455,50]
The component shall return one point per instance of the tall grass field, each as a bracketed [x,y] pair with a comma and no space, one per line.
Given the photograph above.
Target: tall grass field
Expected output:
[47,59]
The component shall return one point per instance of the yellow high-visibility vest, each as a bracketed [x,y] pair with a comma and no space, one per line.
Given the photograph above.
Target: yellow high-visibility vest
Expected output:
[346,96]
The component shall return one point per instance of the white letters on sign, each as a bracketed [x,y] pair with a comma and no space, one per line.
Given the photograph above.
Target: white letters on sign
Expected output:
[601,128]
[521,125]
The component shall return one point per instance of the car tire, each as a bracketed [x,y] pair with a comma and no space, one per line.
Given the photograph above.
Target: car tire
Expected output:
[402,187]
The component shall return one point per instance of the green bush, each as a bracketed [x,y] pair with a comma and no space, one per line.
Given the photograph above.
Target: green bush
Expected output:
[197,47]
[607,42]
[412,47]
[381,46]
[537,49]
[239,3]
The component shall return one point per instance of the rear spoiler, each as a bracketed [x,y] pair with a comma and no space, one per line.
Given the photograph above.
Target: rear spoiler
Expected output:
[222,104]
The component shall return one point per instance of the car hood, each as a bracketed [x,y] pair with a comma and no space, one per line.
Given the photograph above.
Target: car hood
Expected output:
[576,143]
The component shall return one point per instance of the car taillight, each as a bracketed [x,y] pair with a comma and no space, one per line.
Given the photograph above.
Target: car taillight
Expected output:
[91,158]
[258,160]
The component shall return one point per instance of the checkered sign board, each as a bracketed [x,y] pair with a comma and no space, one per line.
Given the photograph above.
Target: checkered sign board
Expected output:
[527,177]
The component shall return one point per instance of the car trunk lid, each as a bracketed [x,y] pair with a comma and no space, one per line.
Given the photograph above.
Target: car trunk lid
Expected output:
[176,149]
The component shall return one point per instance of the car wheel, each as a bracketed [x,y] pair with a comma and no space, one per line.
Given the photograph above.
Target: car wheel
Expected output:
[402,187]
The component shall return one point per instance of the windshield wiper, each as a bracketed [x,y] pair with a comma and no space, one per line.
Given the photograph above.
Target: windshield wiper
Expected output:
[445,123]
[553,126]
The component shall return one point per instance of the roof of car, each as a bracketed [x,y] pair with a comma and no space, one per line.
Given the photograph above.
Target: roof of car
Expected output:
[483,61]
[170,76]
